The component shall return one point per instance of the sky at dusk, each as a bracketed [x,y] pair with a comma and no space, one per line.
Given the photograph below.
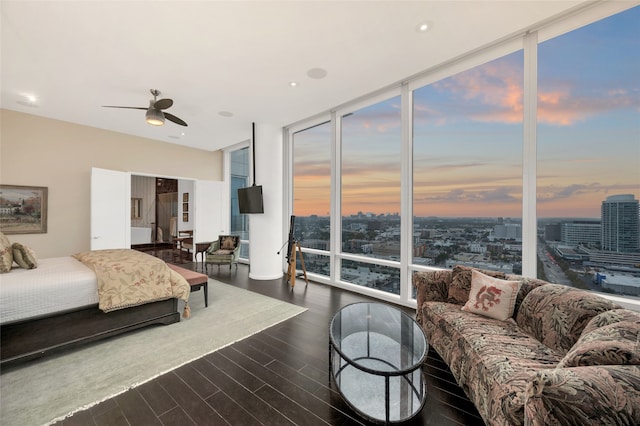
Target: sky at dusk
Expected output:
[468,136]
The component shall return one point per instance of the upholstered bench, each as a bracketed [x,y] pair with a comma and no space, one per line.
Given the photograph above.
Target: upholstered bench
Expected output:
[195,279]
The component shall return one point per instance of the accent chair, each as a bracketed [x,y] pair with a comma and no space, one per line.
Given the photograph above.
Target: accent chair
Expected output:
[224,251]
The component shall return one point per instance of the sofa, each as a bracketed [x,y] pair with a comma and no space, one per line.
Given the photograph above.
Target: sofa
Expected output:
[553,354]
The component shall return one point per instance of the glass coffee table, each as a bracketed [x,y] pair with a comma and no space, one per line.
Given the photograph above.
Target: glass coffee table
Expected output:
[375,355]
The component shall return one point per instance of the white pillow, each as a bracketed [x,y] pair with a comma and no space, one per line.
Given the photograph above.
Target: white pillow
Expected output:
[492,297]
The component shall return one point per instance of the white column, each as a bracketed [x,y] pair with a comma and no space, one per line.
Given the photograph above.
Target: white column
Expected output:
[265,230]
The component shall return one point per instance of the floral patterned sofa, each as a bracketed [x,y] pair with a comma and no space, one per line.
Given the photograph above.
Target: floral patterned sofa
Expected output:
[560,355]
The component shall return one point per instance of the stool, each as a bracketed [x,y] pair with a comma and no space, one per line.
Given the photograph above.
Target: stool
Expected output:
[195,279]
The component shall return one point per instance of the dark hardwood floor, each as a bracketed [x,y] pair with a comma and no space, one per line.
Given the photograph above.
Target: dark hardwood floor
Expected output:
[276,377]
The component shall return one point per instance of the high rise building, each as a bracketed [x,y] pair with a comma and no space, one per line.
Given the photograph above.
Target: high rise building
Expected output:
[621,224]
[581,232]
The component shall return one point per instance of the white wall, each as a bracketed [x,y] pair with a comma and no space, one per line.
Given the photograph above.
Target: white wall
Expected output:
[59,155]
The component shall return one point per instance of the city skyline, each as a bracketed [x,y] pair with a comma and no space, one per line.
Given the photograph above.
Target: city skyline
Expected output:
[588,136]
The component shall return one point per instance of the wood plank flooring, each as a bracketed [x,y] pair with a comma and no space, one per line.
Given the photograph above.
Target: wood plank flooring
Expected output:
[276,377]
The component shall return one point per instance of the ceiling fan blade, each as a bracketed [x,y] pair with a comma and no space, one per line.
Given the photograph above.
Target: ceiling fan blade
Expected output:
[114,106]
[173,118]
[163,104]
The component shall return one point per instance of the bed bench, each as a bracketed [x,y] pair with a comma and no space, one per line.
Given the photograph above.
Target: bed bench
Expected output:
[195,279]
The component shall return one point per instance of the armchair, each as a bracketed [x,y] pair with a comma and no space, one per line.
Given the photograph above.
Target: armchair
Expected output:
[224,251]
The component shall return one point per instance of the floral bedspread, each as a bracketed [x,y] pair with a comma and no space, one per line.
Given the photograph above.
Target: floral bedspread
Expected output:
[130,278]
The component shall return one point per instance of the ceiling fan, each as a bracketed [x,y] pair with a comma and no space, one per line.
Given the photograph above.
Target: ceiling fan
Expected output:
[155,114]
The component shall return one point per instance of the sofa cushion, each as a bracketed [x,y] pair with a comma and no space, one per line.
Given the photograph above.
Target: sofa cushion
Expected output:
[461,283]
[434,284]
[611,317]
[6,254]
[491,297]
[526,285]
[616,343]
[556,314]
[595,395]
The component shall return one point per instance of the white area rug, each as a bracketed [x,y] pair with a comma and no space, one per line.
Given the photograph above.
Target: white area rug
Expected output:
[47,390]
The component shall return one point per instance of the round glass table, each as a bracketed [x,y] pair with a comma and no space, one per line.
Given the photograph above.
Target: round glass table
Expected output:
[375,355]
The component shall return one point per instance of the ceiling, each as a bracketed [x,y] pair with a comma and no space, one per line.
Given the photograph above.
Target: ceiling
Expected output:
[238,58]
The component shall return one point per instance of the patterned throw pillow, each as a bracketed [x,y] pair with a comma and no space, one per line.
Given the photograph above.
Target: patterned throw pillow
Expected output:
[461,283]
[24,256]
[492,297]
[227,243]
[6,254]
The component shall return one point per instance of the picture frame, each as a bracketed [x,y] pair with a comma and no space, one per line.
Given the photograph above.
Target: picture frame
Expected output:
[185,197]
[185,207]
[23,209]
[185,217]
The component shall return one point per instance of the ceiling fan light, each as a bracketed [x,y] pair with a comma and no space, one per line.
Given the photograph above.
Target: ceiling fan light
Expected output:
[154,117]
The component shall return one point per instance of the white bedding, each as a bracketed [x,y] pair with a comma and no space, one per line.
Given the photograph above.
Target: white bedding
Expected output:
[57,284]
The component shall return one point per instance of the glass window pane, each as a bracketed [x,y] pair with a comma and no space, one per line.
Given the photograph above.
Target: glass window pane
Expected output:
[467,170]
[588,183]
[371,181]
[315,263]
[239,179]
[312,186]
[382,278]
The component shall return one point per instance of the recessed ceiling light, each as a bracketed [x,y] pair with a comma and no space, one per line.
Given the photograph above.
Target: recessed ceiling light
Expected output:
[293,84]
[225,114]
[424,26]
[317,73]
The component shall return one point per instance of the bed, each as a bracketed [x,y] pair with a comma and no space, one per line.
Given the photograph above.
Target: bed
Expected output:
[72,300]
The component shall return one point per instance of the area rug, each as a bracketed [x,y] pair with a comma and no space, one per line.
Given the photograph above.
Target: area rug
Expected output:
[48,390]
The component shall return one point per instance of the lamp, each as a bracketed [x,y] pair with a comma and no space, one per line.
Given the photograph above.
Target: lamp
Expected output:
[154,117]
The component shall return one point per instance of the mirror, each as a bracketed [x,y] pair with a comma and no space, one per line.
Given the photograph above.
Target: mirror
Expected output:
[136,208]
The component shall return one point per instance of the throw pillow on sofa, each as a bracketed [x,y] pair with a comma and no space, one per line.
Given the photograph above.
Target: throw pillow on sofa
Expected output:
[491,297]
[461,283]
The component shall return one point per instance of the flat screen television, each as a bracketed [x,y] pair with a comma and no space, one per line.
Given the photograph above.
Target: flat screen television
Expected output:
[250,200]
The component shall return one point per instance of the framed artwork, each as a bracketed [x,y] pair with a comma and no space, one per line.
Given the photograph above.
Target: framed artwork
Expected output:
[185,217]
[185,207]
[23,209]
[185,197]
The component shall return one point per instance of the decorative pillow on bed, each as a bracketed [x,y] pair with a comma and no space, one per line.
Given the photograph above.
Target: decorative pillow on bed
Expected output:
[24,256]
[492,297]
[6,254]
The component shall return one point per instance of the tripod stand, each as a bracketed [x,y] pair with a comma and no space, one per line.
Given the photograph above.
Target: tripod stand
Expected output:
[291,270]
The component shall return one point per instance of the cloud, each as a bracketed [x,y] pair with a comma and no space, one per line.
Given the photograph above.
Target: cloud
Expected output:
[493,93]
[594,190]
[502,194]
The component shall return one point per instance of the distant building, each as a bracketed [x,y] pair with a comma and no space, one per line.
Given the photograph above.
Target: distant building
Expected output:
[508,231]
[553,232]
[622,284]
[621,224]
[581,232]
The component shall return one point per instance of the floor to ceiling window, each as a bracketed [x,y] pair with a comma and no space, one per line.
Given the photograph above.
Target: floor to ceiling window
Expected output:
[588,183]
[312,195]
[467,168]
[439,175]
[239,169]
[370,194]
